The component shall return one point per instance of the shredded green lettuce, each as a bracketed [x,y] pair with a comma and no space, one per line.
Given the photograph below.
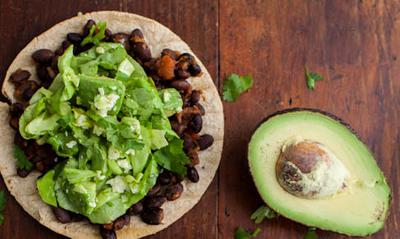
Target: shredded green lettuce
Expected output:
[106,117]
[96,34]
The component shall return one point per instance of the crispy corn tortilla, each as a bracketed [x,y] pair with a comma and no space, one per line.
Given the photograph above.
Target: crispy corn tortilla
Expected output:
[158,37]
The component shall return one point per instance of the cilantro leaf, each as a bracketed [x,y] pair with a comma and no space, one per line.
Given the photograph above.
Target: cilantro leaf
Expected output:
[311,234]
[22,161]
[261,213]
[96,34]
[235,85]
[2,206]
[311,78]
[243,234]
[172,157]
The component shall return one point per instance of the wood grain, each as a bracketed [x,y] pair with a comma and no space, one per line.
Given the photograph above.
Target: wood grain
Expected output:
[353,44]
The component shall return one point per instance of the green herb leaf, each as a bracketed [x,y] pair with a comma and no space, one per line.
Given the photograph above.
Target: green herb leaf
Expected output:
[311,234]
[235,85]
[2,206]
[22,161]
[311,78]
[261,213]
[243,234]
[172,157]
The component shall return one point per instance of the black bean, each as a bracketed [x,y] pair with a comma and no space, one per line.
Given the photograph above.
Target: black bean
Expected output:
[195,97]
[40,166]
[16,109]
[157,81]
[165,178]
[89,24]
[19,76]
[153,216]
[74,38]
[78,49]
[141,51]
[107,234]
[192,174]
[178,128]
[43,74]
[194,69]
[122,221]
[59,51]
[51,72]
[188,143]
[177,179]
[181,85]
[194,156]
[45,151]
[43,56]
[136,36]
[108,226]
[201,108]
[65,44]
[154,191]
[29,91]
[31,149]
[156,201]
[122,38]
[19,141]
[182,74]
[173,192]
[136,208]
[22,172]
[62,215]
[107,34]
[196,124]
[171,53]
[205,141]
[77,217]
[186,57]
[174,180]
[14,122]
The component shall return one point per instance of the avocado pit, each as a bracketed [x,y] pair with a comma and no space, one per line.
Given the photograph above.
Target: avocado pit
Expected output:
[310,170]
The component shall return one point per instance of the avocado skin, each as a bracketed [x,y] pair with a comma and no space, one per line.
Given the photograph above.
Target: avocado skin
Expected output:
[341,121]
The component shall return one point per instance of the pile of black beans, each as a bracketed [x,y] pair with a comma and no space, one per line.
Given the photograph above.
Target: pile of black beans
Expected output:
[170,69]
[42,157]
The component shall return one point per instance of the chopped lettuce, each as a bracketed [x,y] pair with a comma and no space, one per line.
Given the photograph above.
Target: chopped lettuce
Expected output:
[96,34]
[106,117]
[45,186]
[172,101]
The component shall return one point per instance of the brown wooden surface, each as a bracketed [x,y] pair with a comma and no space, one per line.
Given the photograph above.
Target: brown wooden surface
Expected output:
[353,44]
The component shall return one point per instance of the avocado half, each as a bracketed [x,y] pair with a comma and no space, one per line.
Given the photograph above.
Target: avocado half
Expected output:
[310,167]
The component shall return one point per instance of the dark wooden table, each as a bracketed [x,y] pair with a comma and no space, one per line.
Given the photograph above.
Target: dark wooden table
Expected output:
[353,44]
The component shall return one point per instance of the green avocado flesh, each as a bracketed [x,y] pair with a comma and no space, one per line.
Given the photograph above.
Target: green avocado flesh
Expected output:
[359,209]
[104,115]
